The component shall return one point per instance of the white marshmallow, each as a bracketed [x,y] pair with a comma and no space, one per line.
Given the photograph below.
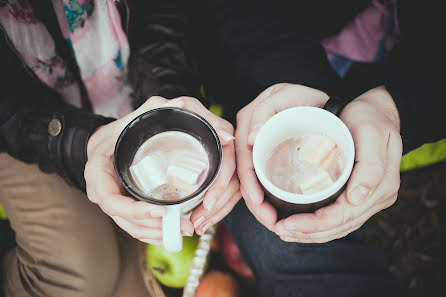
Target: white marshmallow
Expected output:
[316,182]
[187,167]
[150,172]
[316,149]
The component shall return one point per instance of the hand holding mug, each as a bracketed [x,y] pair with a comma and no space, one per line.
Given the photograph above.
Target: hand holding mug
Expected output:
[224,193]
[249,121]
[138,218]
[373,121]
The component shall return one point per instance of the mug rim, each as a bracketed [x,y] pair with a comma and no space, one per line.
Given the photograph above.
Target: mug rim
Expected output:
[156,201]
[296,198]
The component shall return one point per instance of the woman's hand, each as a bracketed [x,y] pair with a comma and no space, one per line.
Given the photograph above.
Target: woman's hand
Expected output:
[140,219]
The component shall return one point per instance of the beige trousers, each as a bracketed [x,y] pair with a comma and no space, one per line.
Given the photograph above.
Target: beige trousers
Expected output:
[66,246]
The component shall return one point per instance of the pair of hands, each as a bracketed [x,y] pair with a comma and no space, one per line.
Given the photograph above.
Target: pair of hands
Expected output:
[142,220]
[372,119]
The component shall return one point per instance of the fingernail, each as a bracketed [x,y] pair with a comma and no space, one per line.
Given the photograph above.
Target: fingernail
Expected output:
[187,233]
[251,138]
[252,134]
[206,226]
[156,213]
[210,205]
[198,222]
[225,135]
[358,194]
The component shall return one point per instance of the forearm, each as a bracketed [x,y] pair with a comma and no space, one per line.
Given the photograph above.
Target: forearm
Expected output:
[37,126]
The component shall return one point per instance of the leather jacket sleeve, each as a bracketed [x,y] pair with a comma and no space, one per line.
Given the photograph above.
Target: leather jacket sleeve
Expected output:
[37,126]
[160,62]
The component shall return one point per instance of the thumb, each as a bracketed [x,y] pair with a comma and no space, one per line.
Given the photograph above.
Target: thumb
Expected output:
[371,152]
[283,97]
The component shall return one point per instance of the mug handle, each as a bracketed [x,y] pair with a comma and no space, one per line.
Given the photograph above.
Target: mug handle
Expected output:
[172,239]
[335,105]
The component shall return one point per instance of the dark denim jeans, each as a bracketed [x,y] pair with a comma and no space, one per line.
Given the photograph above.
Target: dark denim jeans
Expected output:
[345,267]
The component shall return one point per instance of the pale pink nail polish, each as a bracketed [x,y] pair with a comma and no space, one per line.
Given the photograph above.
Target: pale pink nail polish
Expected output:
[225,135]
[206,226]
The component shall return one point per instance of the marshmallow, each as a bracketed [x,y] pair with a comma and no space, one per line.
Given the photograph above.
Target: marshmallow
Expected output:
[150,172]
[316,149]
[187,167]
[316,182]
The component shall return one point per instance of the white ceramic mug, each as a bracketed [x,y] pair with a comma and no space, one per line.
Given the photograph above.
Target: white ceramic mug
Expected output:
[283,126]
[154,122]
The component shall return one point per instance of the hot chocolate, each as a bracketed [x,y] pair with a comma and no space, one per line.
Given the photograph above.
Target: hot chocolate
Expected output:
[170,165]
[306,163]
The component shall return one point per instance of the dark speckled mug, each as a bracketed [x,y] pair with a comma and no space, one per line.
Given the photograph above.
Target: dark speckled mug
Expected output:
[283,126]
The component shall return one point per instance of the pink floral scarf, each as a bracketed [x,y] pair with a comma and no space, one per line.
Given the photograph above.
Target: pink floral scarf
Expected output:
[92,29]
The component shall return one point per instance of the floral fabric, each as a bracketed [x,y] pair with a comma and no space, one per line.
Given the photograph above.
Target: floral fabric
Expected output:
[93,31]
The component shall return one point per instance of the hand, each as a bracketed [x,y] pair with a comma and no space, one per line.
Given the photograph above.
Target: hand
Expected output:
[224,193]
[138,218]
[249,121]
[373,120]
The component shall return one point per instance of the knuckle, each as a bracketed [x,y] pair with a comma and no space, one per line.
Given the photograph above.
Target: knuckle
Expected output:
[154,100]
[347,217]
[240,115]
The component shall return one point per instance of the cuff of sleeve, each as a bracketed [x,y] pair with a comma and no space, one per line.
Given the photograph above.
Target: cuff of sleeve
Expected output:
[69,134]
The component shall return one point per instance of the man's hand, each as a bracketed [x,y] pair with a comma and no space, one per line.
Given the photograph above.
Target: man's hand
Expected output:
[249,121]
[373,120]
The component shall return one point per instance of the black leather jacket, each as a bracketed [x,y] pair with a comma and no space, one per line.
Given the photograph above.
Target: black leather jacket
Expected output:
[36,126]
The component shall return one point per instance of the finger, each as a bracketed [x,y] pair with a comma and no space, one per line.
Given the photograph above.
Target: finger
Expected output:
[324,219]
[214,219]
[225,137]
[224,176]
[342,213]
[152,103]
[104,189]
[201,214]
[326,236]
[136,231]
[230,189]
[186,227]
[371,154]
[265,213]
[281,99]
[153,242]
[153,223]
[249,184]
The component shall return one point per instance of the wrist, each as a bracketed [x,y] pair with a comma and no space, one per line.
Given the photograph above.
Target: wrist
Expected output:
[381,99]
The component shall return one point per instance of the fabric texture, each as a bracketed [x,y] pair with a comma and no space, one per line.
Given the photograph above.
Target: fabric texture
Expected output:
[345,267]
[66,246]
[368,38]
[83,23]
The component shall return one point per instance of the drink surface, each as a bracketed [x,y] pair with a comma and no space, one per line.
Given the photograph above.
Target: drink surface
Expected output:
[170,165]
[306,163]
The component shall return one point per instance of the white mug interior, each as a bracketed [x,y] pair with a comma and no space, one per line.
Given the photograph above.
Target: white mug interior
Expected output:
[294,121]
